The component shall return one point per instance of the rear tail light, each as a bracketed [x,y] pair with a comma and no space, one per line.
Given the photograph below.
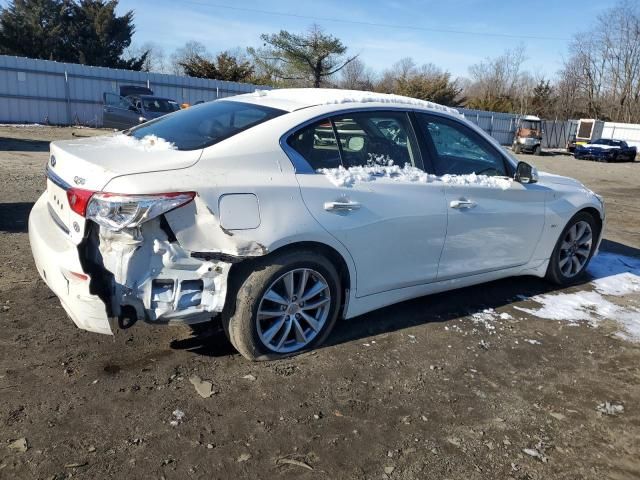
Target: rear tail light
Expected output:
[78,199]
[115,211]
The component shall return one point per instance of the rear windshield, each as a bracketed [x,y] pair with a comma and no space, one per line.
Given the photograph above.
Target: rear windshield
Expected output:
[160,105]
[203,125]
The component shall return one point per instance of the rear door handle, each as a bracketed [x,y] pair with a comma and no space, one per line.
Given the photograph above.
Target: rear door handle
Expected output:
[460,204]
[341,206]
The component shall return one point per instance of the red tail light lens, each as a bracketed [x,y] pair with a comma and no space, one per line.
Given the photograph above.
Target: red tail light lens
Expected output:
[79,199]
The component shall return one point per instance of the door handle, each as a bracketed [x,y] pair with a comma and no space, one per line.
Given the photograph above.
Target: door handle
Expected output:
[460,204]
[341,206]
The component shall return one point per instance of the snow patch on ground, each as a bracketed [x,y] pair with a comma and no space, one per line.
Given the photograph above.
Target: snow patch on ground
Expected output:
[614,276]
[148,143]
[348,177]
[22,125]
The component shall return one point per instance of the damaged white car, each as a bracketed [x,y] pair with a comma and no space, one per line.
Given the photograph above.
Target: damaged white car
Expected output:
[282,211]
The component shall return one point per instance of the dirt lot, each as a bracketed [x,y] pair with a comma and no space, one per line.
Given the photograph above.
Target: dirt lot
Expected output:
[457,385]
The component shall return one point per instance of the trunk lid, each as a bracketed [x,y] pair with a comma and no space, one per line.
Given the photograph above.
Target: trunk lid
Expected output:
[91,163]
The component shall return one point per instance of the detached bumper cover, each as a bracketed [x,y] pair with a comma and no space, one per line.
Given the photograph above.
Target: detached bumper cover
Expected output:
[56,257]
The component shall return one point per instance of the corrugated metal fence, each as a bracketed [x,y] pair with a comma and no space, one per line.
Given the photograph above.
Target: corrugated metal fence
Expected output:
[42,91]
[502,127]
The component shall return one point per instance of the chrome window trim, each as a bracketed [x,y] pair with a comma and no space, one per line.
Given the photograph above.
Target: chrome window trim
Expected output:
[51,175]
[301,166]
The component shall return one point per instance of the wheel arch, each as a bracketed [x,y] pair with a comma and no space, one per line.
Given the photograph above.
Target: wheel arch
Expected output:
[346,274]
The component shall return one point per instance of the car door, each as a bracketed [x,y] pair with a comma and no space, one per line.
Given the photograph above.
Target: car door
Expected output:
[392,226]
[117,112]
[494,222]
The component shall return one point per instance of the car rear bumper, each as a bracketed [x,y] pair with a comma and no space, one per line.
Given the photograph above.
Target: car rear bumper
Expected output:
[58,263]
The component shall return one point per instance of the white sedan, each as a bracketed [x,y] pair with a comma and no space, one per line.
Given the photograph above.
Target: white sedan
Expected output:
[282,211]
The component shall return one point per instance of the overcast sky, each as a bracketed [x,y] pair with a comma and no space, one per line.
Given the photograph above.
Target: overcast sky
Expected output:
[425,30]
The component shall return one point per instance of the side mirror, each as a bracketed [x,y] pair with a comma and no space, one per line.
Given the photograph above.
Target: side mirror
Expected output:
[525,173]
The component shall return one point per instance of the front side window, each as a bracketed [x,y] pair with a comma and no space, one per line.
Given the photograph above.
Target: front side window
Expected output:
[206,124]
[458,150]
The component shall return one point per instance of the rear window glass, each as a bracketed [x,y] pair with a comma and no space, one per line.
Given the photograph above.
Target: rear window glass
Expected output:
[205,124]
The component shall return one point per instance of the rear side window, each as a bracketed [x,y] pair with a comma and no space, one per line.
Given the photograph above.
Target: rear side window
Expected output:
[317,144]
[206,124]
[357,139]
[375,138]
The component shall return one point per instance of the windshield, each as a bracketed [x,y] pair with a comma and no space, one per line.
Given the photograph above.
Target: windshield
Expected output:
[160,105]
[203,125]
[600,141]
[530,125]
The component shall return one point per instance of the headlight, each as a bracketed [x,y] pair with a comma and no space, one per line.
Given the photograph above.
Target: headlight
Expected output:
[142,119]
[115,211]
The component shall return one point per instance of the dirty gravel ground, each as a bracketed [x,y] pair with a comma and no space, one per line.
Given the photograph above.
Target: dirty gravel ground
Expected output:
[414,391]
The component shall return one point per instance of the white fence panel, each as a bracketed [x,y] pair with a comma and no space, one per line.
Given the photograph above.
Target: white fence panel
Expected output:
[629,132]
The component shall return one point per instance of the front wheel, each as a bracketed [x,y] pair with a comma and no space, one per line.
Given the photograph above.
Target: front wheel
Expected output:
[537,151]
[574,250]
[285,305]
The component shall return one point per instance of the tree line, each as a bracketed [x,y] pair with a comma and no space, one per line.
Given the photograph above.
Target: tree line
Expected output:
[599,78]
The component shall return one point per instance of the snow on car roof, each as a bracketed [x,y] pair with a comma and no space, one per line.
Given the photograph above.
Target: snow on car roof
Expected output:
[291,99]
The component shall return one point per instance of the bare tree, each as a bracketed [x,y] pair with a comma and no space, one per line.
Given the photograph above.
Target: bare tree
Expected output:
[155,61]
[356,76]
[191,51]
[603,69]
[497,83]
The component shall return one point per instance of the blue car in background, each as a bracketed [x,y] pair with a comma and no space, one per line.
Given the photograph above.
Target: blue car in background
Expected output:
[606,150]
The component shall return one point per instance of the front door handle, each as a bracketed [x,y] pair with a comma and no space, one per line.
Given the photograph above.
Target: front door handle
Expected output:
[460,204]
[341,206]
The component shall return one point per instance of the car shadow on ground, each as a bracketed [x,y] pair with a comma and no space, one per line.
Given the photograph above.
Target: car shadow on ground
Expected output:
[210,340]
[9,144]
[14,217]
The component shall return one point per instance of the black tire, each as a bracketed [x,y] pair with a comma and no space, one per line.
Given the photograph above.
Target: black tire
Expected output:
[516,148]
[537,151]
[554,274]
[251,282]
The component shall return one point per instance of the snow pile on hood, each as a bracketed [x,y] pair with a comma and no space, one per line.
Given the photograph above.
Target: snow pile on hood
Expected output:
[601,146]
[148,143]
[615,276]
[472,179]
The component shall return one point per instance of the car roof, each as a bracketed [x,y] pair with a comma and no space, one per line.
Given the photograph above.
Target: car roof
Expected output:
[291,99]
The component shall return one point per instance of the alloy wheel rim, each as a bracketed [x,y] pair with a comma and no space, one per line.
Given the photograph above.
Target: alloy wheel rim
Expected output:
[575,249]
[293,310]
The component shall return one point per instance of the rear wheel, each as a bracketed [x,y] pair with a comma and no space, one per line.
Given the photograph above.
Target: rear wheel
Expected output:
[574,250]
[285,305]
[537,150]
